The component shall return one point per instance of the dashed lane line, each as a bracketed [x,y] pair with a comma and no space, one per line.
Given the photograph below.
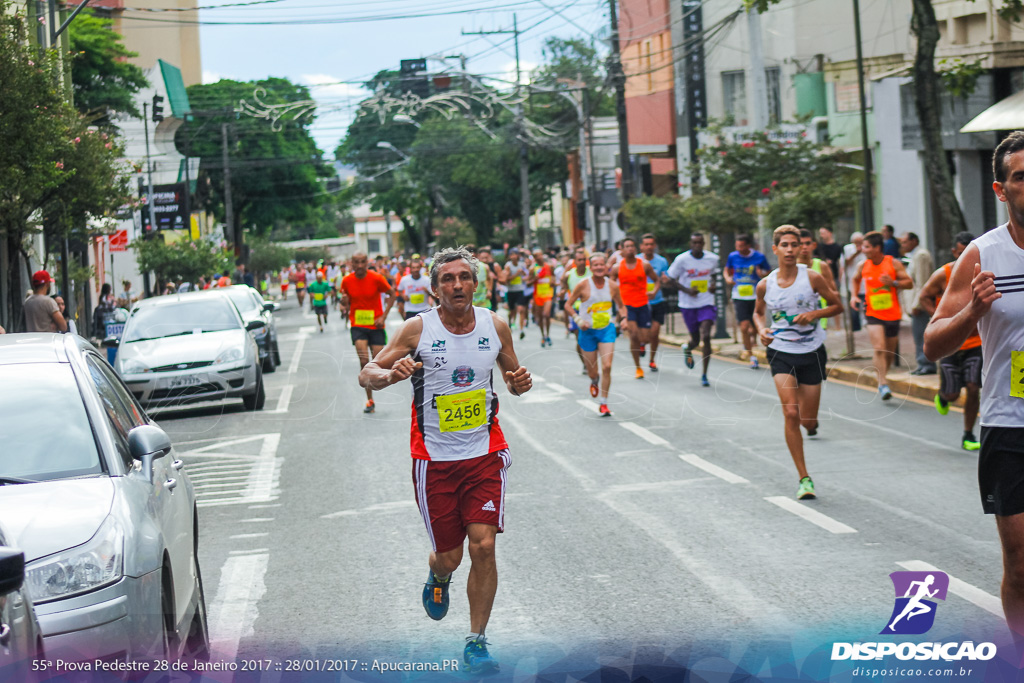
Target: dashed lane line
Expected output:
[293,366]
[283,400]
[812,516]
[646,435]
[712,468]
[972,594]
[234,609]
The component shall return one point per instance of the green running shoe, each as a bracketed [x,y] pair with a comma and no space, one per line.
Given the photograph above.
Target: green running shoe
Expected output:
[941,406]
[806,490]
[435,597]
[478,659]
[970,442]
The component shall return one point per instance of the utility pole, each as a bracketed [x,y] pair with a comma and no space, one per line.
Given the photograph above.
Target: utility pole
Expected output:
[524,166]
[619,79]
[149,190]
[868,211]
[757,80]
[229,211]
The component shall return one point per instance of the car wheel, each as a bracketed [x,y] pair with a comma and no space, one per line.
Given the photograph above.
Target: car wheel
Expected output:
[197,642]
[268,363]
[277,353]
[170,637]
[257,398]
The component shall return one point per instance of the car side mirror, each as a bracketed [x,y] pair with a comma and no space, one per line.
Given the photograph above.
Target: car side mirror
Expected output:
[269,307]
[254,325]
[146,443]
[12,570]
[111,341]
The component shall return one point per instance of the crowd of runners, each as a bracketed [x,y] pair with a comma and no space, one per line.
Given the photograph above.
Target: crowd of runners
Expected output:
[463,310]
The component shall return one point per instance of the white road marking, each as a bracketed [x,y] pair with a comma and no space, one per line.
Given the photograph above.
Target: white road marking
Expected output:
[282,401]
[234,610]
[986,601]
[812,516]
[256,520]
[221,477]
[648,436]
[293,366]
[254,551]
[270,505]
[639,451]
[712,468]
[559,388]
[589,405]
[259,535]
[649,486]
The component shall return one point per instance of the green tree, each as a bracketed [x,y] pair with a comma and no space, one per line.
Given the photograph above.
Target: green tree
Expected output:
[276,176]
[103,79]
[672,219]
[185,260]
[266,256]
[56,173]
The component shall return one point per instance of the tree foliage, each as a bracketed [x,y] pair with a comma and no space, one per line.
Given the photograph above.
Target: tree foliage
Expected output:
[56,172]
[672,219]
[265,256]
[103,79]
[276,176]
[185,260]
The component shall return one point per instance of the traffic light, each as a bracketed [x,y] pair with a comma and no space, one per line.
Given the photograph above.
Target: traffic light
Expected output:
[413,78]
[158,108]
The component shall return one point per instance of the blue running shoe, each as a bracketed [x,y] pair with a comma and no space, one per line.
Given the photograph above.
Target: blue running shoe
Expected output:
[478,659]
[704,381]
[435,597]
[688,357]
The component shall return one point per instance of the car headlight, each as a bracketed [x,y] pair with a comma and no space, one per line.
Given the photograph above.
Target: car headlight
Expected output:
[229,356]
[87,567]
[133,367]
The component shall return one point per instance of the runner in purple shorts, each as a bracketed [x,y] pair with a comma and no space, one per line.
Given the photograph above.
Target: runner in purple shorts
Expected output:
[693,274]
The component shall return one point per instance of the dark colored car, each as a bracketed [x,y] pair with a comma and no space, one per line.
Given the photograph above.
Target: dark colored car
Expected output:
[253,307]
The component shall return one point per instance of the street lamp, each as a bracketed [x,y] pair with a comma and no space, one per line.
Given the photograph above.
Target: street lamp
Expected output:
[405,118]
[384,144]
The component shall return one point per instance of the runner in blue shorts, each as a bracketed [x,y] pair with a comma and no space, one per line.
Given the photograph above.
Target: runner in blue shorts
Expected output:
[596,337]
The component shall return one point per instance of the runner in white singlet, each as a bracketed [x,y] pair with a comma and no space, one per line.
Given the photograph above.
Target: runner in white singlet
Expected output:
[594,319]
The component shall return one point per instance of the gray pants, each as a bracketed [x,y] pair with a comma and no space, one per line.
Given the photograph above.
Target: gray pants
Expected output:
[918,323]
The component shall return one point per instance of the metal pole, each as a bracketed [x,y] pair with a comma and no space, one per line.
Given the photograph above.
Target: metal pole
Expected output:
[619,79]
[868,211]
[70,19]
[149,189]
[229,210]
[188,192]
[524,162]
[387,228]
[720,330]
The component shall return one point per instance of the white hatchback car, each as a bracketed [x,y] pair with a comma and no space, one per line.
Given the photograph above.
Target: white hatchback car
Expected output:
[185,348]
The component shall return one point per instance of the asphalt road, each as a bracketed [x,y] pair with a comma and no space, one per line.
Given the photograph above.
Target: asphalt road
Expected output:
[671,525]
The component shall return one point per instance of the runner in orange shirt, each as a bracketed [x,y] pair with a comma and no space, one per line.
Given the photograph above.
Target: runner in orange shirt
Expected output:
[361,293]
[883,276]
[632,274]
[542,277]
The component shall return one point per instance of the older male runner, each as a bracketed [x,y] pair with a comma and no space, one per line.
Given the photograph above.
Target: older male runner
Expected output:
[986,292]
[361,295]
[595,295]
[460,456]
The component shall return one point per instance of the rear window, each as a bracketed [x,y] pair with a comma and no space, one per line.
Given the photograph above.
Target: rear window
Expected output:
[212,314]
[46,431]
[243,299]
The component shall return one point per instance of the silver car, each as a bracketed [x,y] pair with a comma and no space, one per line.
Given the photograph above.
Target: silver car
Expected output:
[21,639]
[105,515]
[185,348]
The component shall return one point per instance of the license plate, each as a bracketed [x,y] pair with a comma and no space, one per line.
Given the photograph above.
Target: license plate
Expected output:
[178,382]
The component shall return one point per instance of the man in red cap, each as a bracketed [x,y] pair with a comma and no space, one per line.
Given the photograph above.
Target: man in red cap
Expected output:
[41,312]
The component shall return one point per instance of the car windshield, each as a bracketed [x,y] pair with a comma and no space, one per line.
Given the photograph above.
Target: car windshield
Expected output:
[46,431]
[243,299]
[187,317]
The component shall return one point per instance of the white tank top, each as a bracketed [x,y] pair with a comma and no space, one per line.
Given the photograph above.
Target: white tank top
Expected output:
[516,277]
[596,309]
[454,407]
[1002,332]
[784,304]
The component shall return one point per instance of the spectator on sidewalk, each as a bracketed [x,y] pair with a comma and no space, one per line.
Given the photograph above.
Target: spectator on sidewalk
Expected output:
[919,267]
[829,251]
[41,312]
[104,311]
[853,256]
[128,296]
[890,247]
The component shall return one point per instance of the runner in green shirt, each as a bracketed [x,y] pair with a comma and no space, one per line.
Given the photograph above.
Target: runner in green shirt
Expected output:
[318,293]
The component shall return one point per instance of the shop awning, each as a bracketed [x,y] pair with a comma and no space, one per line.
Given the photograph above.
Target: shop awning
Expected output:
[1006,114]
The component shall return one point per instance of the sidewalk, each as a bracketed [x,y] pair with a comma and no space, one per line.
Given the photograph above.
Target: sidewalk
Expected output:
[853,367]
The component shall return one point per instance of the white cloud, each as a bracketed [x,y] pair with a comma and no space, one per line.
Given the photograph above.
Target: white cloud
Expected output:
[510,72]
[325,86]
[211,77]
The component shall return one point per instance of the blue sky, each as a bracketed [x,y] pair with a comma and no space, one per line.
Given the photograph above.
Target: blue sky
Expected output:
[333,58]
